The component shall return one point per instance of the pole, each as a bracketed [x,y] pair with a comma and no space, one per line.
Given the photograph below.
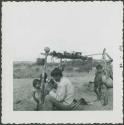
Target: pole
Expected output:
[105,94]
[44,72]
[43,82]
[109,57]
[104,60]
[60,62]
[94,54]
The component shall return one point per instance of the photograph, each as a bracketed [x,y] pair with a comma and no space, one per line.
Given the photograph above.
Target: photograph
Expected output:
[62,57]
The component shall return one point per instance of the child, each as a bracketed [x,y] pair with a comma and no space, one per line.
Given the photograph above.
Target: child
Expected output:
[98,81]
[37,93]
[100,85]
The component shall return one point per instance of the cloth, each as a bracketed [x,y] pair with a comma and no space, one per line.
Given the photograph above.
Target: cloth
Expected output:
[64,92]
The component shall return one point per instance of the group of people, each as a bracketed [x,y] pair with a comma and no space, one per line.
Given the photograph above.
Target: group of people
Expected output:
[59,91]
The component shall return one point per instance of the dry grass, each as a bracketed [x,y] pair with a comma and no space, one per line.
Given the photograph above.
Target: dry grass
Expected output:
[32,70]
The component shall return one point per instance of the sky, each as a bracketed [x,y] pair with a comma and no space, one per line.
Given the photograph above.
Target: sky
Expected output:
[87,27]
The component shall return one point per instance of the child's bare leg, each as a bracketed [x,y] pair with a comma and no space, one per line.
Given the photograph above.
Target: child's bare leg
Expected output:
[106,97]
[100,92]
[96,91]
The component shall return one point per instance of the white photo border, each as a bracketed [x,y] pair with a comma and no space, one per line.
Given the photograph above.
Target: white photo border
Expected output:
[56,117]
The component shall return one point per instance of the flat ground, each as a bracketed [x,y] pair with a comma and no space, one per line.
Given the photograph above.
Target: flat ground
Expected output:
[22,100]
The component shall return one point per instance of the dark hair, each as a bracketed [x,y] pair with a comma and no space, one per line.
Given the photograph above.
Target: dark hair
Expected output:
[35,81]
[99,66]
[56,72]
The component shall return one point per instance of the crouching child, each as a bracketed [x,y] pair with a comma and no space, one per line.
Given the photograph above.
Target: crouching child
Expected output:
[37,93]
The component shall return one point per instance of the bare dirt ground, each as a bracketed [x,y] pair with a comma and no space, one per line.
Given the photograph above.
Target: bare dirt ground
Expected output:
[22,89]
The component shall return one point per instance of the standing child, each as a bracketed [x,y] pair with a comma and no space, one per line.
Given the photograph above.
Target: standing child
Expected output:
[102,84]
[98,83]
[37,93]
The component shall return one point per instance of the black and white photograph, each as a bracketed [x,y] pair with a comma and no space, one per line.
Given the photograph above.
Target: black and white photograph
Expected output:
[62,62]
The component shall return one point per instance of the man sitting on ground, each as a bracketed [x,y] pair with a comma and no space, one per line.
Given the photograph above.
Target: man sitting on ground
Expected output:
[62,97]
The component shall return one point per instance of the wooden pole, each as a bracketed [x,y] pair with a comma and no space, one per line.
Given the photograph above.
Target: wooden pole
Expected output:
[43,82]
[60,62]
[104,61]
[105,95]
[94,54]
[44,72]
[109,57]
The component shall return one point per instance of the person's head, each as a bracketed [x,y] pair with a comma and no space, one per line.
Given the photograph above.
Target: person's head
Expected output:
[56,74]
[36,83]
[99,68]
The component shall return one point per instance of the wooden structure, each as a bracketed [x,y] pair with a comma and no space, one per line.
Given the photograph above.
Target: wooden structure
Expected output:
[67,55]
